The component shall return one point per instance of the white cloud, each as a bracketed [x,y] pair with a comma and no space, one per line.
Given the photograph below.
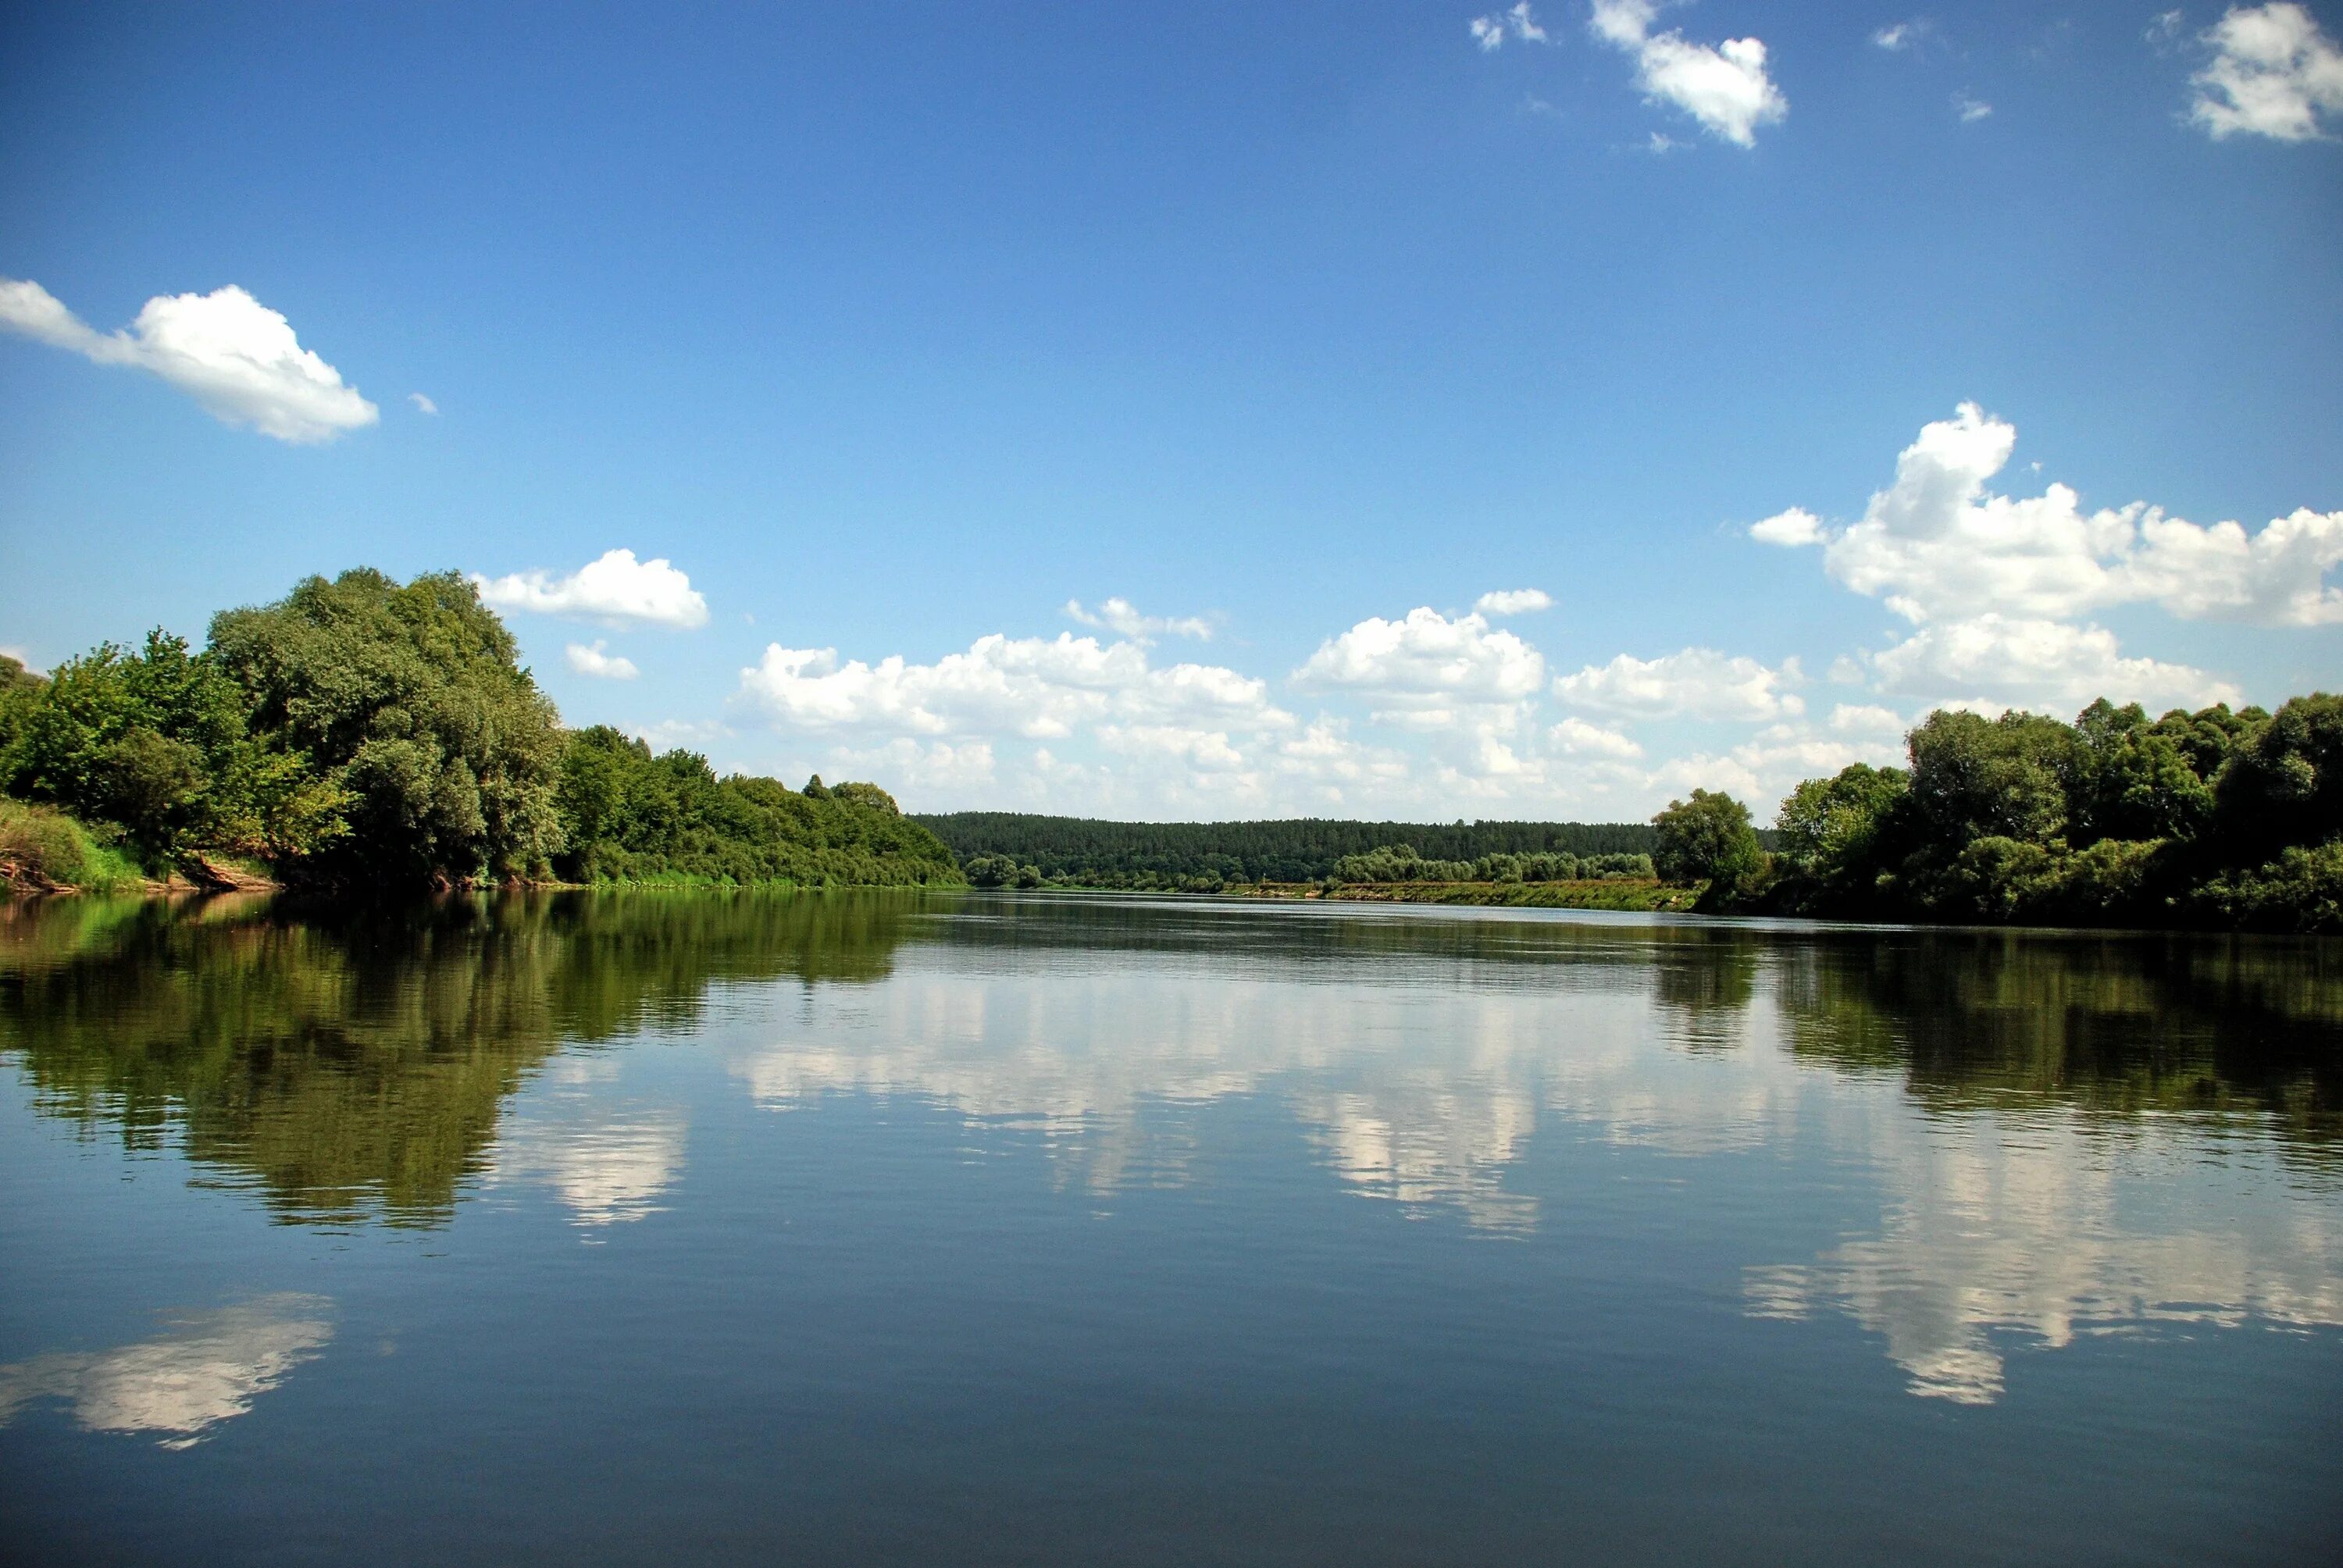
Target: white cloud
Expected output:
[2165,29]
[1427,660]
[2273,74]
[238,359]
[1795,526]
[422,405]
[613,587]
[1901,35]
[1970,110]
[1698,682]
[1725,86]
[1030,687]
[1119,616]
[1489,31]
[1514,601]
[1577,738]
[1764,769]
[1861,719]
[1938,545]
[2047,665]
[601,665]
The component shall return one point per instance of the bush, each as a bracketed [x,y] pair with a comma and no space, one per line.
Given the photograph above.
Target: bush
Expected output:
[2301,890]
[42,847]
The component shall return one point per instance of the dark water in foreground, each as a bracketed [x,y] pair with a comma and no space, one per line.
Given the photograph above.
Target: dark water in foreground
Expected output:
[690,1229]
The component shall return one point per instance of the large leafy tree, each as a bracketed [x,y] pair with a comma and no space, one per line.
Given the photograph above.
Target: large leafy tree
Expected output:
[156,742]
[411,699]
[1706,839]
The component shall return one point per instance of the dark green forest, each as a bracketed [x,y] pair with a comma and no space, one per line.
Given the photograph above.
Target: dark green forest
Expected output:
[365,734]
[1169,856]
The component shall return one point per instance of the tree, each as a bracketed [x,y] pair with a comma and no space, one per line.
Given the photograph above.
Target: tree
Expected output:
[1834,829]
[989,871]
[866,795]
[1706,839]
[156,742]
[2285,786]
[411,700]
[1976,778]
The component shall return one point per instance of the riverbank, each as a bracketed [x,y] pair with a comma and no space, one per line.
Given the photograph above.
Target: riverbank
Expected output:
[1637,895]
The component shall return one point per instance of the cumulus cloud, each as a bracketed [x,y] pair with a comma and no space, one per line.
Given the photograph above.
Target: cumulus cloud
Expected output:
[1514,601]
[1970,110]
[1864,719]
[592,660]
[1938,545]
[1795,526]
[1427,661]
[1901,35]
[238,359]
[1035,688]
[1995,661]
[1724,86]
[1576,738]
[1489,31]
[613,587]
[1119,616]
[1698,683]
[422,405]
[2273,73]
[1773,762]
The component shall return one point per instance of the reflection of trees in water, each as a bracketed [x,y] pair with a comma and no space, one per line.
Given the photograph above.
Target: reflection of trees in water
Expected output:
[355,1062]
[2112,1025]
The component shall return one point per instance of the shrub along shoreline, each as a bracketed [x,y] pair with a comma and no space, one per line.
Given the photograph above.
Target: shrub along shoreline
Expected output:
[364,736]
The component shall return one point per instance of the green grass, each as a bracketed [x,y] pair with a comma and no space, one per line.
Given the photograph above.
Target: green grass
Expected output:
[42,847]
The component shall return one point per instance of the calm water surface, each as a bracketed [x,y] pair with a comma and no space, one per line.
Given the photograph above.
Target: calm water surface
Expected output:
[870,1227]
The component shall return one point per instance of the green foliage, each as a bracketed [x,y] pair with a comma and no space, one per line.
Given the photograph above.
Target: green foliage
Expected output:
[362,733]
[635,817]
[1977,777]
[2301,890]
[156,743]
[1706,839]
[1078,851]
[1832,832]
[41,847]
[412,701]
[2284,784]
[2220,816]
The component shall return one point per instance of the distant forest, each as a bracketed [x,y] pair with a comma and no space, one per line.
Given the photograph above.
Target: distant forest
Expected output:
[1299,850]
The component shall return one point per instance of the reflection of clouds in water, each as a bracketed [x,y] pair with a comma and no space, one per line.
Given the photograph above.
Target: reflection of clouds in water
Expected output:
[605,1167]
[1424,1095]
[1428,1094]
[2001,1226]
[207,1368]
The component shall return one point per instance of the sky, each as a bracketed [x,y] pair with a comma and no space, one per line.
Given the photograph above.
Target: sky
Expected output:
[1205,411]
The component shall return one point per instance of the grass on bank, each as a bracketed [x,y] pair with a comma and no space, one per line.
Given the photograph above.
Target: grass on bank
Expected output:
[43,847]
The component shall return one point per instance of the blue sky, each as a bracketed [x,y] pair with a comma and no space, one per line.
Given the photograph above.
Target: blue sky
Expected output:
[1293,330]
